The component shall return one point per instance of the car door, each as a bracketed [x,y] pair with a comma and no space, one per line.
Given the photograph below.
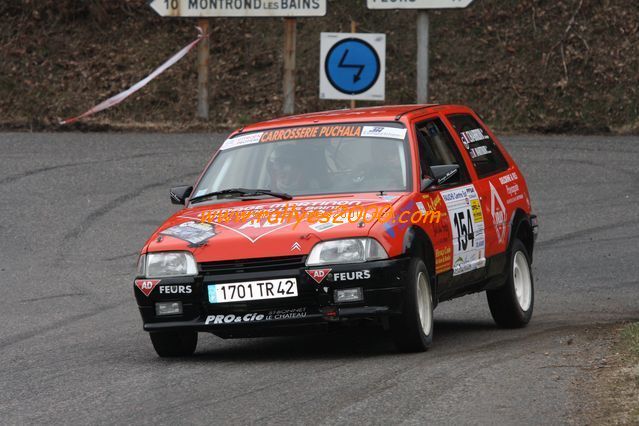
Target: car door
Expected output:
[489,165]
[459,252]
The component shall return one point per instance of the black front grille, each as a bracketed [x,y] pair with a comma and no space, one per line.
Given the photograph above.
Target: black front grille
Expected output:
[253,265]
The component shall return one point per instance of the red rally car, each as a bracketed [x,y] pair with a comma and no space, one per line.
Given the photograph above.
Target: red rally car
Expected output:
[234,263]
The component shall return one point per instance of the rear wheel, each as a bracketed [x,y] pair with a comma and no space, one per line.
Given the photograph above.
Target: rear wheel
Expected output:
[413,329]
[512,304]
[174,343]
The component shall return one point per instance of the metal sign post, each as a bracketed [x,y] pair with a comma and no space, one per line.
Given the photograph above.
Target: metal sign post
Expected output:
[422,57]
[202,9]
[422,32]
[353,30]
[203,55]
[289,65]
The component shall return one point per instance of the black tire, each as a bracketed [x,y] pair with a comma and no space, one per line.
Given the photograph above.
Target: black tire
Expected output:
[174,343]
[407,329]
[505,306]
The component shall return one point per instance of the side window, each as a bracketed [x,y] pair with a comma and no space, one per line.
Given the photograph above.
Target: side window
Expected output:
[487,159]
[437,148]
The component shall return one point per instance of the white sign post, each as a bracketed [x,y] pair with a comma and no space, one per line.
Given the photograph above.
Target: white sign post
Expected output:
[422,32]
[204,9]
[352,66]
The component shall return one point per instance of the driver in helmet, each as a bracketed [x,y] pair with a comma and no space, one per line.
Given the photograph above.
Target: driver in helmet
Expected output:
[384,170]
[286,167]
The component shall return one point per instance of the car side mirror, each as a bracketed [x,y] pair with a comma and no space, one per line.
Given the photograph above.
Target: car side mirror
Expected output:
[441,174]
[179,194]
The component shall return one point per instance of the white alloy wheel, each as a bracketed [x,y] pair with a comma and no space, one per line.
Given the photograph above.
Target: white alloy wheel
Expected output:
[522,280]
[424,304]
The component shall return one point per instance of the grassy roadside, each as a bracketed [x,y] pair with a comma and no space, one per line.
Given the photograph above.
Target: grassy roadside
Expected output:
[616,388]
[630,341]
[629,347]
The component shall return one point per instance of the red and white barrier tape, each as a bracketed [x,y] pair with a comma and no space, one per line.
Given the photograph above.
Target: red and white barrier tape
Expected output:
[114,100]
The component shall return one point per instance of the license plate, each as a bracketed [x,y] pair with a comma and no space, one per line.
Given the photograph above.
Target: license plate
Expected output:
[252,290]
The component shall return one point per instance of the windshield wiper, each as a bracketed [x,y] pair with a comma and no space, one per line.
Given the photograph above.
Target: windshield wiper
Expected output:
[242,191]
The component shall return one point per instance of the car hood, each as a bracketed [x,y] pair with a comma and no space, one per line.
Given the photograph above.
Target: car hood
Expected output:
[203,231]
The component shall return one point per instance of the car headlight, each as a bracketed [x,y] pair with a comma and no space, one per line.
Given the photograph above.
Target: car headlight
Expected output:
[142,265]
[354,250]
[169,264]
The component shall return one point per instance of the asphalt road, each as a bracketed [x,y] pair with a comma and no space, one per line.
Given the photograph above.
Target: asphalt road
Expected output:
[76,208]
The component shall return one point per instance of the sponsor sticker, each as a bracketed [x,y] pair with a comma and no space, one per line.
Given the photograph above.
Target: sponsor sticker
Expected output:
[498,212]
[318,274]
[432,203]
[442,259]
[476,207]
[192,232]
[515,199]
[284,314]
[464,210]
[508,178]
[175,289]
[383,132]
[474,135]
[464,265]
[233,319]
[146,286]
[513,189]
[312,132]
[242,140]
[421,207]
[479,151]
[352,276]
[277,314]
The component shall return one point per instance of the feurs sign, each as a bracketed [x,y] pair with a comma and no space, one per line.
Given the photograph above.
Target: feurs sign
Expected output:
[147,287]
[350,276]
[175,289]
[239,8]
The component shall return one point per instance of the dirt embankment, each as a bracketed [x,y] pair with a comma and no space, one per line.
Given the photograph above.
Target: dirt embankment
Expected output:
[608,392]
[527,65]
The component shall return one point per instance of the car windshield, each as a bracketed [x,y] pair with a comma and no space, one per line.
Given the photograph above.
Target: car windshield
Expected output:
[327,159]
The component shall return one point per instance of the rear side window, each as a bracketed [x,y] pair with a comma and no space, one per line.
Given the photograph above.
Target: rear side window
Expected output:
[485,155]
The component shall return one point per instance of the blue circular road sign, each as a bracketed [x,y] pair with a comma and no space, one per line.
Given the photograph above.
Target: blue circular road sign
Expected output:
[352,66]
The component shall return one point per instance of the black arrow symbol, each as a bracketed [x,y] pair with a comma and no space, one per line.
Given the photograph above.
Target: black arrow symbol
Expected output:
[359,68]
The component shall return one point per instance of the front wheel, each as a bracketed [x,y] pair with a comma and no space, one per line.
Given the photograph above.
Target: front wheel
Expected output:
[413,329]
[512,304]
[174,343]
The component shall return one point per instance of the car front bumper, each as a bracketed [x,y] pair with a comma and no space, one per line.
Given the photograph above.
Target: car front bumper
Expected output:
[382,283]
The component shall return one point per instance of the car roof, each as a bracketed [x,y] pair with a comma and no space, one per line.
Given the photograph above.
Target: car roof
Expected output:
[378,113]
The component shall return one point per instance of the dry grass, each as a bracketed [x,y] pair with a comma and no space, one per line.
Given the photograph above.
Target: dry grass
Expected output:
[612,385]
